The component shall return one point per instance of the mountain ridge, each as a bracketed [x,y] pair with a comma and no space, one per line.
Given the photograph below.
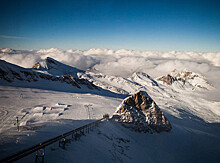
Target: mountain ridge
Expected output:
[12,73]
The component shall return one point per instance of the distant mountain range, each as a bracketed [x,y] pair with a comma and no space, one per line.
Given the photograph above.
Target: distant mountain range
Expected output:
[52,70]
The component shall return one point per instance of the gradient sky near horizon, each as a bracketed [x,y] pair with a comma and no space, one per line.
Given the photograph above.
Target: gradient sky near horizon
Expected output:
[161,25]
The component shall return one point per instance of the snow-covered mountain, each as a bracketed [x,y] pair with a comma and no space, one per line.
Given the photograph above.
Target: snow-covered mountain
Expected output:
[143,79]
[6,50]
[48,71]
[51,74]
[55,68]
[51,98]
[185,79]
[112,83]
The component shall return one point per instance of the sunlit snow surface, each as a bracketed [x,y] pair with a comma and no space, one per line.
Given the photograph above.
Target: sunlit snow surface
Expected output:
[193,112]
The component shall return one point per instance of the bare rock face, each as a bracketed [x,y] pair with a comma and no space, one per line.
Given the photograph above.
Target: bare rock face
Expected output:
[184,78]
[140,113]
[168,79]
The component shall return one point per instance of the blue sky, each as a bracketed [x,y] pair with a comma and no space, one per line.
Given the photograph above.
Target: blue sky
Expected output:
[159,25]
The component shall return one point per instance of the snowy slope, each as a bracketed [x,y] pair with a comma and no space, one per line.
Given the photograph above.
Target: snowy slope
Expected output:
[112,83]
[185,79]
[53,76]
[181,85]
[56,68]
[48,104]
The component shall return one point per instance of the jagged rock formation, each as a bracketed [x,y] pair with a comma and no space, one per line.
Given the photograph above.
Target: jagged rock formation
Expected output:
[142,114]
[185,78]
[168,79]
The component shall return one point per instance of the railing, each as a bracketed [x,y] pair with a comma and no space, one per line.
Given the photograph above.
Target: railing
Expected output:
[40,148]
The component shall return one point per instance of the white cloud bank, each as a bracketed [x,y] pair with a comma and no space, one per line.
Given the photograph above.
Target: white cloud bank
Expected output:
[122,62]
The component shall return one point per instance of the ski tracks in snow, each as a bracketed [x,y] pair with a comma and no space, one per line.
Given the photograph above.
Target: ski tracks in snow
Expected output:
[42,113]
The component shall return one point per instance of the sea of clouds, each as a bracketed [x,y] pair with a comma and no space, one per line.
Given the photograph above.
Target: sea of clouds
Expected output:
[123,62]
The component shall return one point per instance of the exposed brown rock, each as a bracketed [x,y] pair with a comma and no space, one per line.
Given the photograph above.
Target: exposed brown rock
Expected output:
[36,65]
[168,79]
[141,113]
[185,78]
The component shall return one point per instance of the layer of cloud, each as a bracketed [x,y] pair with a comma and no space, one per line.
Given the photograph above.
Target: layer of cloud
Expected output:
[121,62]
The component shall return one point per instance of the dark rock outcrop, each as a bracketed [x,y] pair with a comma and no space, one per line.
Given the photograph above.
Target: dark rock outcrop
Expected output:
[184,78]
[168,79]
[140,113]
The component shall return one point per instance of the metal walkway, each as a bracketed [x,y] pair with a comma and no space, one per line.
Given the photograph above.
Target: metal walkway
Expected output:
[40,148]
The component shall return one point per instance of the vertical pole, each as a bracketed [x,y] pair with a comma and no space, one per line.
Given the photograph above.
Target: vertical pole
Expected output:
[36,158]
[40,154]
[43,155]
[75,135]
[64,143]
[17,123]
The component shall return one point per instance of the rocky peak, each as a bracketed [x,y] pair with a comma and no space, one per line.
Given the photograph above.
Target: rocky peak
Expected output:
[168,79]
[142,114]
[185,78]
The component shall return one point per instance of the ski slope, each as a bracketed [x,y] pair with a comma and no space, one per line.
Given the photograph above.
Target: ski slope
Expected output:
[46,108]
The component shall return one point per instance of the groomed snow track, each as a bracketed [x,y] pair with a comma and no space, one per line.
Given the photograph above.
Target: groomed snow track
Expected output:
[40,148]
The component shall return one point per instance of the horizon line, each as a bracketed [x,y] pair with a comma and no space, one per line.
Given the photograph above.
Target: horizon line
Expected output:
[63,49]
